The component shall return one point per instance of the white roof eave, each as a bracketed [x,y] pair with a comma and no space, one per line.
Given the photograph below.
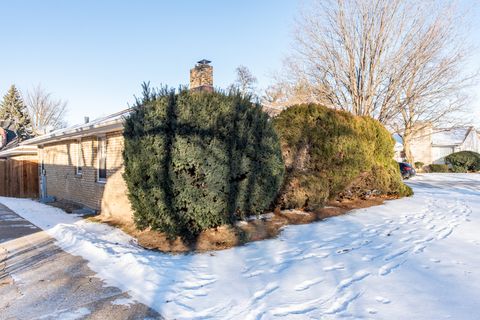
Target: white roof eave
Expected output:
[19,151]
[84,131]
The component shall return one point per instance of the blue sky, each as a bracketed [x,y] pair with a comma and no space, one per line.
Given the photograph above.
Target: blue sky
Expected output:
[95,54]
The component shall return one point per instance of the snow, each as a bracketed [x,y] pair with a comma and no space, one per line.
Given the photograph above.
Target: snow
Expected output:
[68,315]
[123,301]
[413,258]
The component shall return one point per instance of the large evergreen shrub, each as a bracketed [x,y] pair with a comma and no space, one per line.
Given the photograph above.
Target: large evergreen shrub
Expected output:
[199,160]
[328,153]
[464,161]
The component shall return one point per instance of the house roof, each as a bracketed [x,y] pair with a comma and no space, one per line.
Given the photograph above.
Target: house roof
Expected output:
[18,151]
[102,125]
[450,137]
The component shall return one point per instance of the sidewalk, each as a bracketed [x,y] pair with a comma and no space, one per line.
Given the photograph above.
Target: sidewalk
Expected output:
[38,280]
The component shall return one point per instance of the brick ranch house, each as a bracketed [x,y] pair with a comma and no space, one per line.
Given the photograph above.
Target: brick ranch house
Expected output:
[83,164]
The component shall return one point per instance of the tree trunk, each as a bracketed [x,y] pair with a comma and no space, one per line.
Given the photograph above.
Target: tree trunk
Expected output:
[406,148]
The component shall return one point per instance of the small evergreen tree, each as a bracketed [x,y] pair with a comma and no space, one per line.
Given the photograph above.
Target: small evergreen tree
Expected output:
[14,109]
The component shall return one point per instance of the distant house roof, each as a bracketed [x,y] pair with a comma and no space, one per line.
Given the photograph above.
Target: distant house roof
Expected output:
[273,111]
[106,124]
[8,136]
[450,137]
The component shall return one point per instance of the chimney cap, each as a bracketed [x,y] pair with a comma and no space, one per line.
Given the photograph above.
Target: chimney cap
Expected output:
[204,61]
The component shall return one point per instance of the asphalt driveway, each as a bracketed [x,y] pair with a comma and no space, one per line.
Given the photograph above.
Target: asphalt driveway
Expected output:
[12,226]
[38,280]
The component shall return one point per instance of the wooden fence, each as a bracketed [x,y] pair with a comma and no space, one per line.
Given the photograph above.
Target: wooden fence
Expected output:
[19,178]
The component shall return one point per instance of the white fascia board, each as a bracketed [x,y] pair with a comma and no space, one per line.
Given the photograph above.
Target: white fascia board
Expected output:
[85,131]
[19,151]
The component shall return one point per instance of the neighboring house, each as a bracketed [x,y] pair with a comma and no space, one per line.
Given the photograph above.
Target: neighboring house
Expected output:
[448,142]
[433,145]
[84,163]
[398,148]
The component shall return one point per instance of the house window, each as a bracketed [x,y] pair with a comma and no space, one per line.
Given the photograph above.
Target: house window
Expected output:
[102,159]
[79,162]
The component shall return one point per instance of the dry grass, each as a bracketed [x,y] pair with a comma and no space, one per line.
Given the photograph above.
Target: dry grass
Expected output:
[224,237]
[65,205]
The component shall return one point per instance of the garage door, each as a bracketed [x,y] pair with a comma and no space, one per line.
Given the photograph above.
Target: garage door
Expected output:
[439,154]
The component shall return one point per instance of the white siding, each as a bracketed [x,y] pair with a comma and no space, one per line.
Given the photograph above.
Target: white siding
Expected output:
[471,142]
[439,154]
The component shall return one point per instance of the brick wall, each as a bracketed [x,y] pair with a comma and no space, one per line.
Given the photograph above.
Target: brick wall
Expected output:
[201,77]
[62,180]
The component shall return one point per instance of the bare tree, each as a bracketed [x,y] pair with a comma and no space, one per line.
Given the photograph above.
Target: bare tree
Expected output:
[45,111]
[399,61]
[433,91]
[245,81]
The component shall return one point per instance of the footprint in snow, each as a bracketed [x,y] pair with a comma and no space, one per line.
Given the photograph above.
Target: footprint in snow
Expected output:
[308,283]
[259,295]
[344,250]
[445,233]
[382,246]
[357,276]
[410,231]
[369,257]
[197,284]
[419,248]
[340,304]
[371,310]
[406,239]
[255,273]
[382,300]
[389,267]
[338,266]
[321,254]
[396,253]
[426,239]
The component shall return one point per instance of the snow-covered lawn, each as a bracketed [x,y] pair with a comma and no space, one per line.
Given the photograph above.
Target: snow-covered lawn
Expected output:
[414,258]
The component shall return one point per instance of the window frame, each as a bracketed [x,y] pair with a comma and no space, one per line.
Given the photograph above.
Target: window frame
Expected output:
[79,159]
[101,156]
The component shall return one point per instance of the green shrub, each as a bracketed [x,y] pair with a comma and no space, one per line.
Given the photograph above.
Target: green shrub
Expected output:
[330,153]
[438,168]
[419,165]
[198,160]
[457,169]
[464,161]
